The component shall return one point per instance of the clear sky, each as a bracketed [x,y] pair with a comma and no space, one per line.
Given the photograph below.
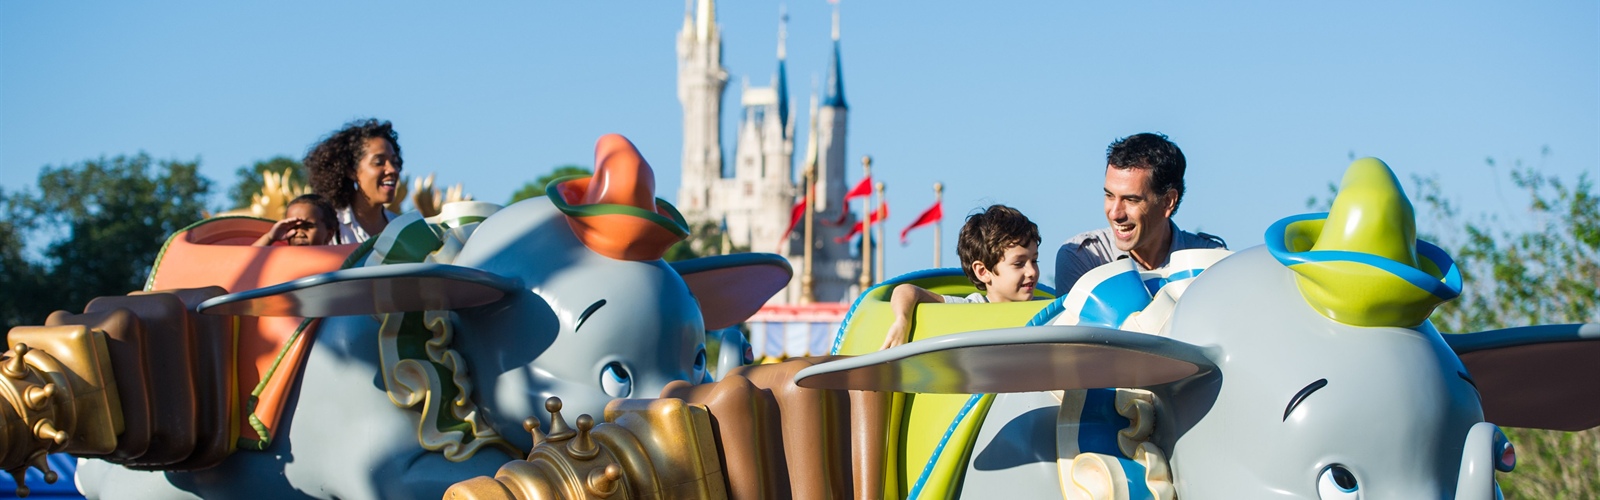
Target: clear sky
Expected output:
[1005,102]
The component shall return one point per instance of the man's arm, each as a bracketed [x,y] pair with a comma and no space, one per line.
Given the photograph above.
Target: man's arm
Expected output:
[1072,261]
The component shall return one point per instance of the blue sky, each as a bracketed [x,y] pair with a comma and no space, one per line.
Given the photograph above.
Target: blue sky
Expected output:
[1005,102]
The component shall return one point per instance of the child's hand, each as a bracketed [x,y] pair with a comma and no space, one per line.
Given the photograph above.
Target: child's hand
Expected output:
[280,229]
[903,301]
[897,333]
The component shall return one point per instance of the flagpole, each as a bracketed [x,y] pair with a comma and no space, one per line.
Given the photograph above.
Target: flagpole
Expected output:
[938,193]
[727,241]
[882,202]
[806,295]
[807,292]
[866,230]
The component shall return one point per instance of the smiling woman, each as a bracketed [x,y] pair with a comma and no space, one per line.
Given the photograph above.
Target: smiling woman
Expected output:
[357,168]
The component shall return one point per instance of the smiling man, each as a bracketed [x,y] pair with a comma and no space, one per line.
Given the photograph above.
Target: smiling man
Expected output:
[1144,184]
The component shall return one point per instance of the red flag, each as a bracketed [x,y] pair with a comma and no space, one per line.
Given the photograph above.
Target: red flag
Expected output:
[862,189]
[795,215]
[879,215]
[933,214]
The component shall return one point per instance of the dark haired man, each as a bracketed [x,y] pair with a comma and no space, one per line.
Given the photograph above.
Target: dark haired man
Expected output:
[1144,185]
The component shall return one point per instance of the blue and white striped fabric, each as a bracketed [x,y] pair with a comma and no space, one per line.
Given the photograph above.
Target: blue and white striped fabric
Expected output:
[1108,295]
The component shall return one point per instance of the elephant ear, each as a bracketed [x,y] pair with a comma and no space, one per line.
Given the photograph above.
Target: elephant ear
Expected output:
[730,288]
[1539,377]
[369,290]
[1025,359]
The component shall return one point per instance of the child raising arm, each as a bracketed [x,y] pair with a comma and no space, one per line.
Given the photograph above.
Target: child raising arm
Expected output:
[999,251]
[308,220]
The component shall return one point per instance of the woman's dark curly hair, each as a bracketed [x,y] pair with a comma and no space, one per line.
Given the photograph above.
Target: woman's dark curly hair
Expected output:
[333,161]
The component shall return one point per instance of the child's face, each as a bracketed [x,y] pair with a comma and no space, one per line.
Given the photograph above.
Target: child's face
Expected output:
[317,232]
[1013,278]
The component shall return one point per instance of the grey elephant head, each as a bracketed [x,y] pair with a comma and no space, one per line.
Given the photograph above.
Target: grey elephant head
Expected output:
[599,328]
[1364,398]
[1305,406]
[1303,369]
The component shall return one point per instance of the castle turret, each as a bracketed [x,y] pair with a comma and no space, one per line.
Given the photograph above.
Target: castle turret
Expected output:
[831,129]
[753,197]
[834,269]
[701,81]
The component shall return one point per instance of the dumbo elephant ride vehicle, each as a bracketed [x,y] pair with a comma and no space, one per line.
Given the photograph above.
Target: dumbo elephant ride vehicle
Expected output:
[439,360]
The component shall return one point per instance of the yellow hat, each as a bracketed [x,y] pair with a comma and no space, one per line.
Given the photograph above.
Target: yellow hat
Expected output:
[1361,263]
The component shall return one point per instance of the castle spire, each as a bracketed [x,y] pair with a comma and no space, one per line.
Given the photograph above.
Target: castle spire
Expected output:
[783,32]
[835,21]
[834,93]
[780,81]
[706,20]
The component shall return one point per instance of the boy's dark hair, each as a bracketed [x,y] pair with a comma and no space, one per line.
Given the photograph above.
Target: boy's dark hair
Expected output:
[1155,152]
[333,161]
[325,213]
[987,234]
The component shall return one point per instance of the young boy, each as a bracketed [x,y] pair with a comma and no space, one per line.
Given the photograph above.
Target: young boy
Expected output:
[999,250]
[308,220]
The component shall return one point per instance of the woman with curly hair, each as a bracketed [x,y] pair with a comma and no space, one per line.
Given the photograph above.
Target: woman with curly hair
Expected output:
[357,168]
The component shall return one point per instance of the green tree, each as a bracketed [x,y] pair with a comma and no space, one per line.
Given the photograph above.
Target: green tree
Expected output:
[535,189]
[20,279]
[680,251]
[247,180]
[705,239]
[108,219]
[1540,269]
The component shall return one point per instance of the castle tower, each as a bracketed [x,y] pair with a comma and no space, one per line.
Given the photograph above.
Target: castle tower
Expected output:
[831,129]
[752,203]
[835,270]
[701,81]
[757,199]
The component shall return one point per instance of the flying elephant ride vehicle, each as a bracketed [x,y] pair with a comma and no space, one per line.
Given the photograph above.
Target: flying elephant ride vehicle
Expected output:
[439,360]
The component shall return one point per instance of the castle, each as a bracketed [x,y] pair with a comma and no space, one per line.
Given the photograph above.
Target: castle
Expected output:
[754,204]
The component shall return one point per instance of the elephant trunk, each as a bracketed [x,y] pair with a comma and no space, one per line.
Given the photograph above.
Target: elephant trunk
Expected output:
[1486,451]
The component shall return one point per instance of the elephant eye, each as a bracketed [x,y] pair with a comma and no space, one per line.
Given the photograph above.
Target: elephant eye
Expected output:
[699,365]
[1337,483]
[615,380]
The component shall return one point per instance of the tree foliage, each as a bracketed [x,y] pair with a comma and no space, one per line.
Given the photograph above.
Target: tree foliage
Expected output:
[20,279]
[1542,268]
[247,180]
[535,189]
[1545,269]
[103,221]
